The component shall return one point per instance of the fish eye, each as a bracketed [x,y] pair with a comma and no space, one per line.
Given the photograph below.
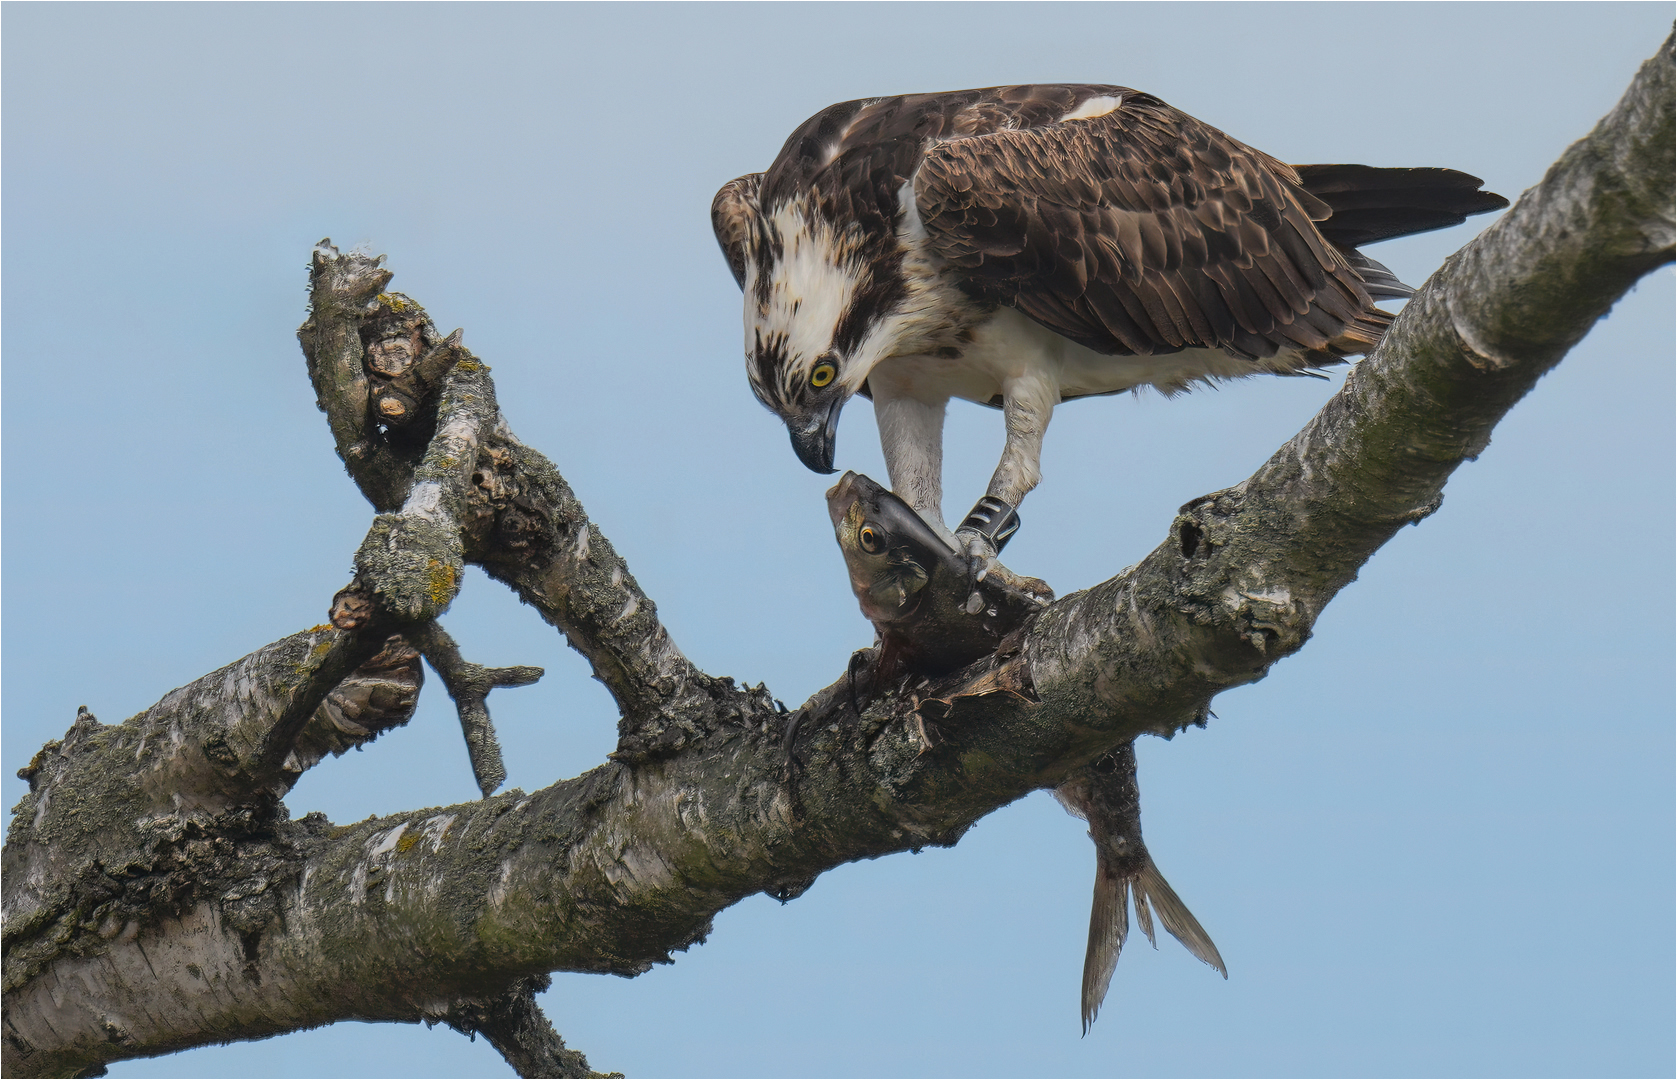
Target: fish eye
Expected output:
[823,374]
[871,541]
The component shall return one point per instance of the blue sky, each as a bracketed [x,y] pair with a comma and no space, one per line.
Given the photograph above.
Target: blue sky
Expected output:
[1436,842]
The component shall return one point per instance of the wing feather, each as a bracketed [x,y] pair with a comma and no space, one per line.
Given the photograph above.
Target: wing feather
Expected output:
[1196,323]
[1151,230]
[731,215]
[1061,317]
[1212,307]
[1127,233]
[1111,317]
[1243,301]
[1181,326]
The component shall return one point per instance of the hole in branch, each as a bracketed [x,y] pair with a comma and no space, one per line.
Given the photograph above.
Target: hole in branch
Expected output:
[1189,536]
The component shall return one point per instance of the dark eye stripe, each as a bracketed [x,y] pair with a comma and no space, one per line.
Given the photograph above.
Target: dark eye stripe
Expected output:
[868,306]
[767,249]
[769,357]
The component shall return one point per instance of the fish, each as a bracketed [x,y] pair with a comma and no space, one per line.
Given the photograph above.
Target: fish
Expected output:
[1104,793]
[931,612]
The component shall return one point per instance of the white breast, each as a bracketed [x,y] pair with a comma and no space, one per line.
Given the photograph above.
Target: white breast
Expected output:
[1009,346]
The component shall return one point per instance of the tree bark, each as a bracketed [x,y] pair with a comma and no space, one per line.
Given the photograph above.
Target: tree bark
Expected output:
[158,897]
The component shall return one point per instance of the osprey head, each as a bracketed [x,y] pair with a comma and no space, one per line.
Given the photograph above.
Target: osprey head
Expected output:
[817,312]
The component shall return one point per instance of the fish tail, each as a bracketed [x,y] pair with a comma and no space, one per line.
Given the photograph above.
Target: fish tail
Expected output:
[1144,913]
[1109,925]
[1173,913]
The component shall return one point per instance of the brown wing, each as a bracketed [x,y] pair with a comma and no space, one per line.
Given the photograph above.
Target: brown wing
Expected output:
[855,156]
[731,215]
[1144,231]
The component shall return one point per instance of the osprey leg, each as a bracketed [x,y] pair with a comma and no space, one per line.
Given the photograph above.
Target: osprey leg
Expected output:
[911,434]
[1028,404]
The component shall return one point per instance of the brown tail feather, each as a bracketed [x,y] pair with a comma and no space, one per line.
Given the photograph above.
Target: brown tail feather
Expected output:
[1371,204]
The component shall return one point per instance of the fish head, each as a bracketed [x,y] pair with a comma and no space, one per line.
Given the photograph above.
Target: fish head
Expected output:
[891,554]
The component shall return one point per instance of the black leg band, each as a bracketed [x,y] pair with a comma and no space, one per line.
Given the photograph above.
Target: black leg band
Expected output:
[994,520]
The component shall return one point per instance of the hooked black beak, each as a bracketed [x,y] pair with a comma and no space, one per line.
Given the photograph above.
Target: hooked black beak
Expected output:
[815,440]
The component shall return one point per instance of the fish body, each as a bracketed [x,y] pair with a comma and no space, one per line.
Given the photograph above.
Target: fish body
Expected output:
[1104,793]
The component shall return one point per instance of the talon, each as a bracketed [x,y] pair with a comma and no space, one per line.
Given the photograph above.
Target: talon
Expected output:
[1035,589]
[980,552]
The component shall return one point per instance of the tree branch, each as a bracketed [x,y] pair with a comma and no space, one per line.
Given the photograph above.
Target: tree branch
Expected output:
[515,1026]
[155,853]
[469,685]
[514,514]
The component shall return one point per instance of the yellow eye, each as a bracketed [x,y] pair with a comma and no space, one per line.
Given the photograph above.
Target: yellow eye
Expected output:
[869,539]
[822,375]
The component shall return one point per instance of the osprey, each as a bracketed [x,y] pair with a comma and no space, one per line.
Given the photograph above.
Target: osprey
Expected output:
[1020,246]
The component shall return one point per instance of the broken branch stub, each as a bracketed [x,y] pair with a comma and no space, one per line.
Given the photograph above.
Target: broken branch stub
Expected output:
[469,685]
